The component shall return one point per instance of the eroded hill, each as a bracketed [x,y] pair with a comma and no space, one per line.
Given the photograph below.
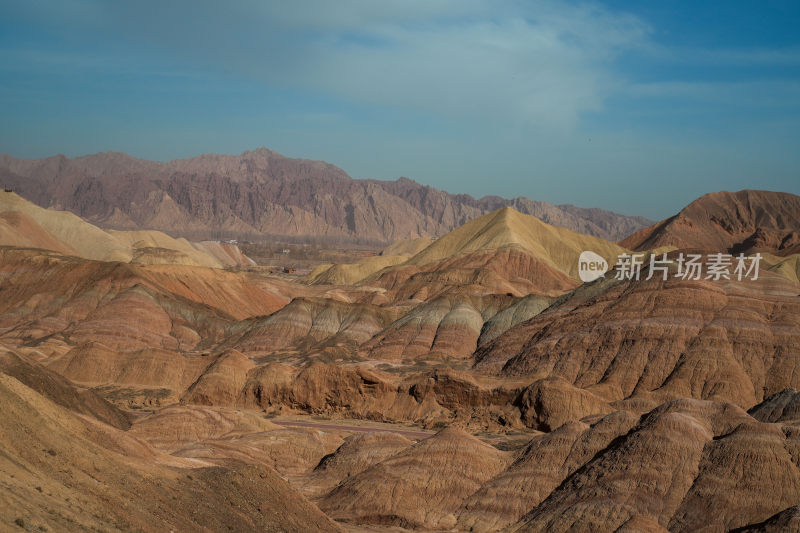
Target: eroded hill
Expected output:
[469,383]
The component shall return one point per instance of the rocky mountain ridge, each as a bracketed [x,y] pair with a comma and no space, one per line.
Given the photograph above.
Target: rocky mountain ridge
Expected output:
[261,192]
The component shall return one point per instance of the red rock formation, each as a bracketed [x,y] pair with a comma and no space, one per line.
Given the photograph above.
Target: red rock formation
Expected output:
[48,297]
[422,486]
[538,470]
[656,340]
[221,382]
[354,456]
[736,222]
[688,465]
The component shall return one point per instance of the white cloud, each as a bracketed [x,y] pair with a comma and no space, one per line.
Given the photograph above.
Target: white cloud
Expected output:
[536,62]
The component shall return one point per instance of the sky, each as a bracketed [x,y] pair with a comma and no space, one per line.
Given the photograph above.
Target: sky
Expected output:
[638,107]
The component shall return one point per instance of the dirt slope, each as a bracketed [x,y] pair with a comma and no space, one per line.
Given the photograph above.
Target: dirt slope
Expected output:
[64,473]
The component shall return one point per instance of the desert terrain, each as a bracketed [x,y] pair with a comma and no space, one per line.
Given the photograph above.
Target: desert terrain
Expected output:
[171,361]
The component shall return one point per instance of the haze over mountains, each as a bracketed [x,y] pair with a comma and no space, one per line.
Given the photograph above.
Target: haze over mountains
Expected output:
[262,193]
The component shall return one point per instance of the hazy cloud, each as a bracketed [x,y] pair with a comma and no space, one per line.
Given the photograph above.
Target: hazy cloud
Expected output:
[544,62]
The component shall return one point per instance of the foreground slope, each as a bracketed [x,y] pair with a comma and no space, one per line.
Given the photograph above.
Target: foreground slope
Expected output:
[421,486]
[717,469]
[66,473]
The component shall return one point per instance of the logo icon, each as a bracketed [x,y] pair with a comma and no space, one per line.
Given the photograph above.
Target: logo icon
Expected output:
[591,266]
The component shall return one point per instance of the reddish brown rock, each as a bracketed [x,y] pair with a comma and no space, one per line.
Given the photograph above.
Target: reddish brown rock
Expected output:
[688,465]
[448,326]
[221,382]
[356,454]
[538,470]
[728,341]
[148,376]
[549,403]
[60,390]
[781,407]
[723,221]
[308,323]
[422,486]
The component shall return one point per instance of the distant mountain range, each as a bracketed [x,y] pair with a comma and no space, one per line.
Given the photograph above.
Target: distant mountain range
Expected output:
[262,193]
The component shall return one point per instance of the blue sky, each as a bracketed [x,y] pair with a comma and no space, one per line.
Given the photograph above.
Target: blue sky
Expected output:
[638,107]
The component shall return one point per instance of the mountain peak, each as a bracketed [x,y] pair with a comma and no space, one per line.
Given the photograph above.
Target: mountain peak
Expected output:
[558,247]
[734,221]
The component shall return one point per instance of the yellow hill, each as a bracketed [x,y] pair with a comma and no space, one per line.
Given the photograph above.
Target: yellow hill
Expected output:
[787,267]
[408,247]
[155,247]
[72,231]
[557,247]
[25,224]
[18,229]
[351,273]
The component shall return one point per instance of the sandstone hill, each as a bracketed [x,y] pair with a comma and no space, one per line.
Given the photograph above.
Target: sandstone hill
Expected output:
[504,249]
[26,225]
[743,221]
[422,486]
[650,341]
[262,193]
[717,469]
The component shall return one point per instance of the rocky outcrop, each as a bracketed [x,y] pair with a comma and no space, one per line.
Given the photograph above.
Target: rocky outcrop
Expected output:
[439,396]
[783,406]
[174,427]
[49,299]
[308,323]
[221,382]
[447,326]
[787,520]
[538,469]
[61,391]
[149,376]
[549,403]
[358,453]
